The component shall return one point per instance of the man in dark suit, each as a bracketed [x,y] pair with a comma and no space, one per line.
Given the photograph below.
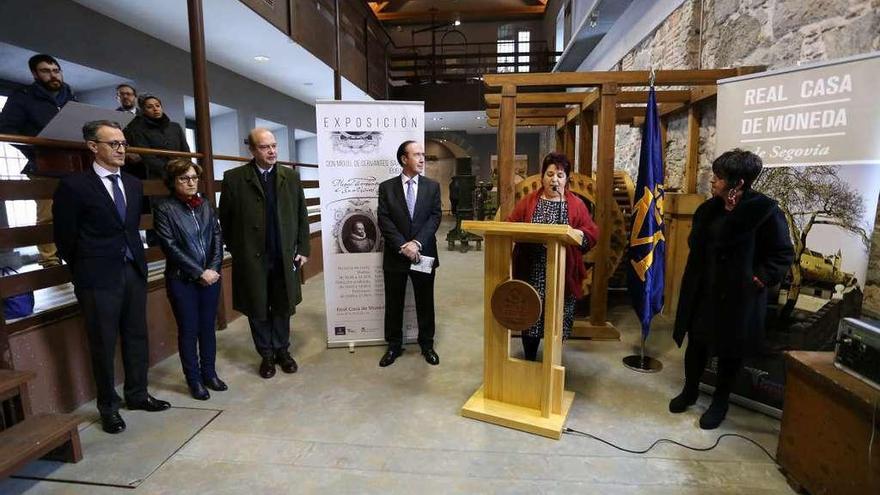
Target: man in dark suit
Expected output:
[97,214]
[266,228]
[409,215]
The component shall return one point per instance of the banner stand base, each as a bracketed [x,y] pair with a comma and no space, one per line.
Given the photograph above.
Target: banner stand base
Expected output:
[350,344]
[642,364]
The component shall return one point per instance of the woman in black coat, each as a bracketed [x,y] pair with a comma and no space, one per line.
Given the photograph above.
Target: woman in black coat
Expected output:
[153,129]
[739,246]
[189,233]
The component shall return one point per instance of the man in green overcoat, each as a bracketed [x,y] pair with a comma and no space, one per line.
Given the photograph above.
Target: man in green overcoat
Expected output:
[266,228]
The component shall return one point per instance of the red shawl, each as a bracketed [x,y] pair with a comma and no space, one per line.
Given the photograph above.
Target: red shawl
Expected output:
[578,218]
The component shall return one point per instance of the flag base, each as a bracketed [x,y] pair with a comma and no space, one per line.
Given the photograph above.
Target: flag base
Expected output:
[642,364]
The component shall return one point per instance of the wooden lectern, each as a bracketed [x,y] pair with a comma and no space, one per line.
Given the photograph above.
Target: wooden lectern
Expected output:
[524,395]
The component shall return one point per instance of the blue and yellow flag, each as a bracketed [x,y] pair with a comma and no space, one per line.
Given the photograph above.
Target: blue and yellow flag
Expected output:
[647,246]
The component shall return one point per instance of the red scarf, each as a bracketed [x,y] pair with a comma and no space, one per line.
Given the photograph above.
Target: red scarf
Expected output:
[193,201]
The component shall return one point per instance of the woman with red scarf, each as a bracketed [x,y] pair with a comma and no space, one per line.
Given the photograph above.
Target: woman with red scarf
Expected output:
[189,234]
[552,203]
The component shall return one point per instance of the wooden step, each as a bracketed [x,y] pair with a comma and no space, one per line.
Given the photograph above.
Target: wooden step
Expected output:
[11,380]
[15,404]
[50,436]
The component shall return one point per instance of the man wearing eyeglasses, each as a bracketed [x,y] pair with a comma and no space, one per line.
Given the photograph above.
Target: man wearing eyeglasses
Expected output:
[97,216]
[26,113]
[266,228]
[126,95]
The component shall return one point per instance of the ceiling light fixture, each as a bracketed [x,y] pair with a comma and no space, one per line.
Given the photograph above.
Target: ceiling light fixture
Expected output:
[261,58]
[456,22]
[594,18]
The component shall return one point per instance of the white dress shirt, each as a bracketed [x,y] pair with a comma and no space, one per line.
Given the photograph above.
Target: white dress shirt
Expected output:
[103,173]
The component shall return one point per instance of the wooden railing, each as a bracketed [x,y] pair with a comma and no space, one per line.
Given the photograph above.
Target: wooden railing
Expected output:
[16,237]
[452,62]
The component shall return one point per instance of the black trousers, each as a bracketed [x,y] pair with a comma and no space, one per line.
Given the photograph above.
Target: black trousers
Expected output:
[272,335]
[696,356]
[395,297]
[121,311]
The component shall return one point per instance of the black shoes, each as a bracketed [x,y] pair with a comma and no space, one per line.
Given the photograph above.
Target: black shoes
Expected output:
[198,391]
[431,357]
[151,404]
[112,423]
[267,367]
[288,364]
[215,384]
[390,356]
[682,401]
[714,416]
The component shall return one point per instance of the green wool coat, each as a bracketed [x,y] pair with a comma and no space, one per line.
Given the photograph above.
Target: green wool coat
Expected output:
[243,219]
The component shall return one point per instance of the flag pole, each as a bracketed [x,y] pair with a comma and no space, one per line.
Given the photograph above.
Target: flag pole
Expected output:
[646,233]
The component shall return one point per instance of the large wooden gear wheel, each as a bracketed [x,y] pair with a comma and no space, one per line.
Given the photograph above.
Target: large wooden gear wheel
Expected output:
[584,186]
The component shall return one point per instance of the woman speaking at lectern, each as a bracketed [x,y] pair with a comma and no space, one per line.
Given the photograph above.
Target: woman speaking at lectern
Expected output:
[552,204]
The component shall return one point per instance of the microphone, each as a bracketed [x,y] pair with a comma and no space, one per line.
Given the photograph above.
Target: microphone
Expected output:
[561,199]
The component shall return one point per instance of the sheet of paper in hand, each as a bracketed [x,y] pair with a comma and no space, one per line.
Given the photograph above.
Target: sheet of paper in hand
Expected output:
[425,264]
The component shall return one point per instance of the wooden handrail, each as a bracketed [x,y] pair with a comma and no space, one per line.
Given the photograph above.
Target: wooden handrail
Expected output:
[60,143]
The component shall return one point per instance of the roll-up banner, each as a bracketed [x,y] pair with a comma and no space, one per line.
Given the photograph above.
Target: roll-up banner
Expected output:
[357,143]
[817,129]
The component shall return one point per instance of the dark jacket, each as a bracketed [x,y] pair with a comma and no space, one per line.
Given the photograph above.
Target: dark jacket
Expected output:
[27,112]
[753,241]
[243,217]
[89,234]
[190,238]
[162,134]
[398,228]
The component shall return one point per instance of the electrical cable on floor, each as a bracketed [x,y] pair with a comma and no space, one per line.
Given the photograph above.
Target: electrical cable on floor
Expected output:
[667,440]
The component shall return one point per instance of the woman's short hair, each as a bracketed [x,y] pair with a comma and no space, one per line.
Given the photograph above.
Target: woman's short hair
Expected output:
[736,165]
[177,167]
[558,159]
[142,99]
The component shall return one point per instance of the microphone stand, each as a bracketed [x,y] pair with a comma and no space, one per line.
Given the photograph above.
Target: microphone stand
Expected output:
[561,199]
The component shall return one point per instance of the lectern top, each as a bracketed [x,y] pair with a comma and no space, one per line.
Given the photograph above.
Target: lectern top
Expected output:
[521,231]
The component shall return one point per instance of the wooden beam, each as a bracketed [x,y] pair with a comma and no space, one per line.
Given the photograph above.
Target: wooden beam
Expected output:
[555,99]
[621,78]
[585,143]
[703,93]
[465,15]
[679,96]
[540,121]
[604,198]
[506,149]
[494,113]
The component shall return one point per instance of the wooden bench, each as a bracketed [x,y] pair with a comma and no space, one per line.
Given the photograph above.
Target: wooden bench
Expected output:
[25,437]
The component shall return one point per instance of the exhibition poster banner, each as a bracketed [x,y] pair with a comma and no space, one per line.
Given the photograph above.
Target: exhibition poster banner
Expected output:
[357,143]
[817,129]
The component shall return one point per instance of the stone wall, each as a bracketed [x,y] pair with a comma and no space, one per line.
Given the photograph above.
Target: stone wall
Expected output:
[774,33]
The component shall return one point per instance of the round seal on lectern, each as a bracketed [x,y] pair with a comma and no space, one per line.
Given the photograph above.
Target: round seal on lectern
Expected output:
[516,305]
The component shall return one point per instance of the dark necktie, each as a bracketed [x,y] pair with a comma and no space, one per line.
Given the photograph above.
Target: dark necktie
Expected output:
[119,200]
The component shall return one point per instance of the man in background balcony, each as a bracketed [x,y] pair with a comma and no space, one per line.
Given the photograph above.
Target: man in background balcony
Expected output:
[26,113]
[126,95]
[97,215]
[266,228]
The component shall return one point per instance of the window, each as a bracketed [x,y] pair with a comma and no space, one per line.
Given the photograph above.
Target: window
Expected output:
[507,44]
[522,45]
[21,212]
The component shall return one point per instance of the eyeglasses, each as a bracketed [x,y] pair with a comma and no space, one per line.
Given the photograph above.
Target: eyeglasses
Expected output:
[183,179]
[115,145]
[55,71]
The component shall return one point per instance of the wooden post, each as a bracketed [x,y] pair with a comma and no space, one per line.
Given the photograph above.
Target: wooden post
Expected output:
[569,140]
[585,154]
[604,202]
[506,149]
[560,140]
[692,166]
[5,350]
[199,63]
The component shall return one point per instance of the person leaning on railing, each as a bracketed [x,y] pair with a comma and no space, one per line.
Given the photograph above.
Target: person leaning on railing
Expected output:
[189,235]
